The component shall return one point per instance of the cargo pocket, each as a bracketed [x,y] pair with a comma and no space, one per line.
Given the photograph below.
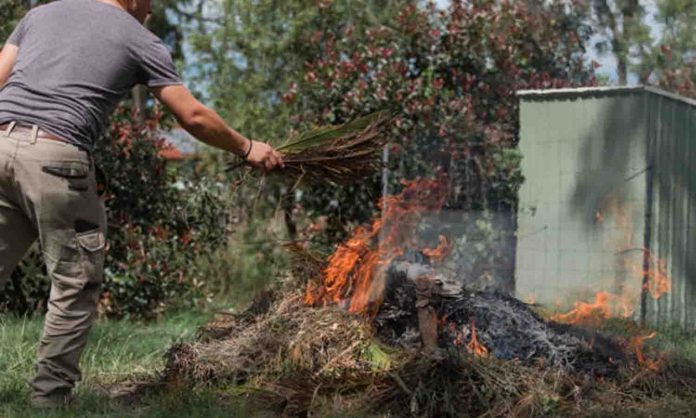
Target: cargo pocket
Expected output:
[65,265]
[76,173]
[92,245]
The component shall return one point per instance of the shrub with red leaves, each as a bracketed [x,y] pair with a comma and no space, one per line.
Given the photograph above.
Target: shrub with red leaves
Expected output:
[451,77]
[156,230]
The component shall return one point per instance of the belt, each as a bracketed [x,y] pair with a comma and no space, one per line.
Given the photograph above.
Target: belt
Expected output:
[40,133]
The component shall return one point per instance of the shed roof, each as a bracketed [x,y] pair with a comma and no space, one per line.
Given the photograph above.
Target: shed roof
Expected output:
[600,91]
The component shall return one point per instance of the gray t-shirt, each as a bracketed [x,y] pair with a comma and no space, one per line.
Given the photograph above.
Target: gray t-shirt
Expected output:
[77,59]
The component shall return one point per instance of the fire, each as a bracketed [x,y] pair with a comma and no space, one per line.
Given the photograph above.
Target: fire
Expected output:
[588,313]
[474,346]
[648,270]
[350,275]
[440,252]
[656,281]
[635,344]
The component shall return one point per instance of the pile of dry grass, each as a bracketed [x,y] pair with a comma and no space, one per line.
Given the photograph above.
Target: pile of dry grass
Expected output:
[288,337]
[294,360]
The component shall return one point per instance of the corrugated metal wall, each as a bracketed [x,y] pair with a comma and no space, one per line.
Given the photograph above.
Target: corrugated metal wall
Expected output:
[583,206]
[672,206]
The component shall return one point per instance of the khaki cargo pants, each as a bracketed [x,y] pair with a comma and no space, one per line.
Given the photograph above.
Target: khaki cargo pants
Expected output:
[48,191]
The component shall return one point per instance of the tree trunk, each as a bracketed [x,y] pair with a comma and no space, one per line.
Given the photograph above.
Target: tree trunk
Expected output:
[629,12]
[621,69]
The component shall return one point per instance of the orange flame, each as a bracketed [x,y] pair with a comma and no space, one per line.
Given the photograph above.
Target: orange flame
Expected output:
[587,313]
[474,346]
[440,252]
[351,268]
[657,282]
[648,270]
[636,345]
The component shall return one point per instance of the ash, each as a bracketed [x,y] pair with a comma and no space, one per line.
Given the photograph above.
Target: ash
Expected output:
[509,328]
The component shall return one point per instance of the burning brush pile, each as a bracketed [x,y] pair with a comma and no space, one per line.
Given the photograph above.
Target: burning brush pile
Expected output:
[378,328]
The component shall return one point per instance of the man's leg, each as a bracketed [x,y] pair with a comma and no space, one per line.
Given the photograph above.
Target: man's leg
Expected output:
[72,227]
[17,232]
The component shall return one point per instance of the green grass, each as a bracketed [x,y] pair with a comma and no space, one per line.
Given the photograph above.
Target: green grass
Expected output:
[118,351]
[671,340]
[123,351]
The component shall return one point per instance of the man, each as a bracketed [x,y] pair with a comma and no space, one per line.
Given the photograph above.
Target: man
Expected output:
[62,72]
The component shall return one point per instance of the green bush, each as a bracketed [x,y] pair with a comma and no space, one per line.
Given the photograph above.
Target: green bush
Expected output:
[27,289]
[160,227]
[249,262]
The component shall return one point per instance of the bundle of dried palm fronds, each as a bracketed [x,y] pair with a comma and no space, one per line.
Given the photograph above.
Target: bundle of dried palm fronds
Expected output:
[339,154]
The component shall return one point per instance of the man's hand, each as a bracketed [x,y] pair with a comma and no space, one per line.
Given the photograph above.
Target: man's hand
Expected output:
[264,157]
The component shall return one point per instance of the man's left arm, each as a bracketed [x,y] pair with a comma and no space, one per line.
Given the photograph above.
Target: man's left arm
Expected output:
[8,56]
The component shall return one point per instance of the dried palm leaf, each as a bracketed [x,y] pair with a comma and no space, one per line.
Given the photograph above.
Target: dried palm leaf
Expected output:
[339,154]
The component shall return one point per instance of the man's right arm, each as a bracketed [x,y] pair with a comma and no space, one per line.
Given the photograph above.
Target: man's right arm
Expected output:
[207,126]
[8,56]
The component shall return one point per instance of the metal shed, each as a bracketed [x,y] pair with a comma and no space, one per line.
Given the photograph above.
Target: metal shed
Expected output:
[609,200]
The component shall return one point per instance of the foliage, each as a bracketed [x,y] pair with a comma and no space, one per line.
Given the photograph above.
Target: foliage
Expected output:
[157,231]
[10,13]
[451,77]
[340,154]
[248,54]
[251,260]
[160,228]
[659,52]
[28,288]
[625,35]
[674,62]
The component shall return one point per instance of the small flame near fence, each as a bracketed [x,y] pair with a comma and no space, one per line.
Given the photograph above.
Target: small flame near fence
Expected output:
[653,276]
[650,271]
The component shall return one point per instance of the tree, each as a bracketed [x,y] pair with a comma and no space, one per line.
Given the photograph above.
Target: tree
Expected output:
[248,54]
[626,35]
[451,79]
[675,55]
[10,13]
[665,58]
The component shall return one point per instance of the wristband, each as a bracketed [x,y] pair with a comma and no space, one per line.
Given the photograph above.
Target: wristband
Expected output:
[251,145]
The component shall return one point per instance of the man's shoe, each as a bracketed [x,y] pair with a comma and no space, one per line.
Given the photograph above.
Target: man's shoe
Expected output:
[54,400]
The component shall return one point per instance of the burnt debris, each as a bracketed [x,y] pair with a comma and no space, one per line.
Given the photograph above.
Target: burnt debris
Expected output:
[507,327]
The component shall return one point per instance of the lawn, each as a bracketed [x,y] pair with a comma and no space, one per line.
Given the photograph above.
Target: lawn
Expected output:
[118,351]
